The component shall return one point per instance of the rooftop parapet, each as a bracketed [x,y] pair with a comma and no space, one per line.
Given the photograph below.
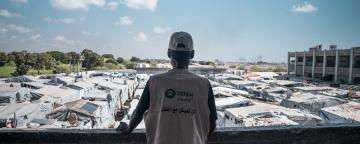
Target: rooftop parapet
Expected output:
[335,134]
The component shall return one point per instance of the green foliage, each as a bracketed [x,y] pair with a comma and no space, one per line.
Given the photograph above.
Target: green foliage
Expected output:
[135,59]
[99,61]
[58,56]
[206,63]
[153,63]
[21,69]
[109,56]
[120,60]
[3,58]
[6,71]
[91,59]
[23,61]
[10,63]
[112,61]
[11,57]
[130,65]
[108,66]
[62,68]
[43,61]
[36,72]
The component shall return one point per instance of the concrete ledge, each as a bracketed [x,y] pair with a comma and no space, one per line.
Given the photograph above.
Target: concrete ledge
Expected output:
[335,134]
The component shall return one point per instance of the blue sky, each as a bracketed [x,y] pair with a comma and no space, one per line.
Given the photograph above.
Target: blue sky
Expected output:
[229,30]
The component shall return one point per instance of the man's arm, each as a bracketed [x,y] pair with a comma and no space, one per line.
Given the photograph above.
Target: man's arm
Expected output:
[212,108]
[142,106]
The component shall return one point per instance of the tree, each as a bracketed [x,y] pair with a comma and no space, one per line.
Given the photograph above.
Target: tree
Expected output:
[202,62]
[99,61]
[22,61]
[30,59]
[3,58]
[135,59]
[112,61]
[11,59]
[58,56]
[109,56]
[120,60]
[44,61]
[130,65]
[40,62]
[21,69]
[73,59]
[206,63]
[90,59]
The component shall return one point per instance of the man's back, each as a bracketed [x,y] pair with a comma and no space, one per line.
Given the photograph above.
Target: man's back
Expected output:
[178,111]
[178,107]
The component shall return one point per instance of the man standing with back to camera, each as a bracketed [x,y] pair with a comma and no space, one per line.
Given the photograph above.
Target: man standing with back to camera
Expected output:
[178,106]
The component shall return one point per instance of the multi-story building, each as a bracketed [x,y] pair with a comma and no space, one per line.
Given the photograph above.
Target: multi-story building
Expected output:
[338,65]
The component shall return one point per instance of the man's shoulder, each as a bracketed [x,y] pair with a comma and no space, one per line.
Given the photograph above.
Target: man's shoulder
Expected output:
[199,77]
[159,75]
[170,75]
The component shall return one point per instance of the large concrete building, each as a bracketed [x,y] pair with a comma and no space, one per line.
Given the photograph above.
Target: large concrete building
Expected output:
[338,65]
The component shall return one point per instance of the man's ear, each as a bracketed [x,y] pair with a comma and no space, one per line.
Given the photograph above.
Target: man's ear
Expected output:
[192,54]
[168,53]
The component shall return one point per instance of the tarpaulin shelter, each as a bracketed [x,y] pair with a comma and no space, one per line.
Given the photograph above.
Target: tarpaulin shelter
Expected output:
[311,102]
[58,94]
[22,113]
[11,94]
[344,113]
[87,112]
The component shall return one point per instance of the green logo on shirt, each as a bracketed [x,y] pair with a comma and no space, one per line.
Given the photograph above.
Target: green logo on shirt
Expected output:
[170,93]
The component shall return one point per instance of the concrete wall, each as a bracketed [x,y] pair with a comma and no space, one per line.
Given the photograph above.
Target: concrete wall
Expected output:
[336,134]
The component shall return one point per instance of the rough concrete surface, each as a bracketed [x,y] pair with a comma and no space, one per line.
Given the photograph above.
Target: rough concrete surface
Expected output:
[337,134]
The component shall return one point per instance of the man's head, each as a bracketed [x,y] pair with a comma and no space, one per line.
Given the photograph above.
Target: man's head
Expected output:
[180,49]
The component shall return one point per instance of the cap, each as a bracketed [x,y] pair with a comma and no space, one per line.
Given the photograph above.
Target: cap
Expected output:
[181,41]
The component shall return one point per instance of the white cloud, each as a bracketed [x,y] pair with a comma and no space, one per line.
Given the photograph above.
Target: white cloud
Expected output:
[87,33]
[35,37]
[141,4]
[8,14]
[160,30]
[14,31]
[64,20]
[125,20]
[19,1]
[141,37]
[76,4]
[59,38]
[3,30]
[47,19]
[304,8]
[61,41]
[112,5]
[19,29]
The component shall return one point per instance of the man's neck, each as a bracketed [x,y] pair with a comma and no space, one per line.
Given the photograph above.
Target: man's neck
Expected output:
[180,68]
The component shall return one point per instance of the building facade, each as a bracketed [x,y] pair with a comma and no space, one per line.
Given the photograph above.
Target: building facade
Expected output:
[338,65]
